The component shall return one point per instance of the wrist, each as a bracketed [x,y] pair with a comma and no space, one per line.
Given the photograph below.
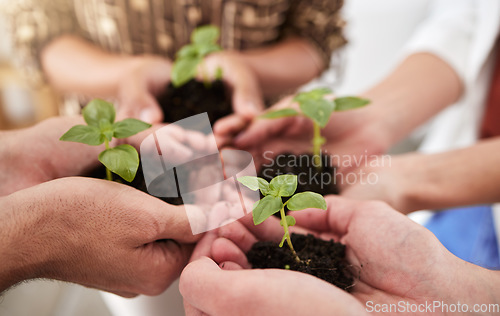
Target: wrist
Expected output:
[21,250]
[477,287]
[371,123]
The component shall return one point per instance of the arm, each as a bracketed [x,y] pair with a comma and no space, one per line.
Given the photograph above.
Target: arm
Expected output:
[74,65]
[420,87]
[272,65]
[92,232]
[418,181]
[400,261]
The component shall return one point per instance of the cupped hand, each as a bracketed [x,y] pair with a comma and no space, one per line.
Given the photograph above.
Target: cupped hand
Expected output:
[247,97]
[97,233]
[137,91]
[398,260]
[211,290]
[34,155]
[350,136]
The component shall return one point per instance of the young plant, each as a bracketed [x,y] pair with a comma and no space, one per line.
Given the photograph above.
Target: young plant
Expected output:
[203,42]
[313,105]
[101,128]
[273,192]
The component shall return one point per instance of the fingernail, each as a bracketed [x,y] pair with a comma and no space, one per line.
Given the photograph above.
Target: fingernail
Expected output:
[146,115]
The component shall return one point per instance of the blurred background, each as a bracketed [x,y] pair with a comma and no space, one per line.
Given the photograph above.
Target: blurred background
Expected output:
[21,104]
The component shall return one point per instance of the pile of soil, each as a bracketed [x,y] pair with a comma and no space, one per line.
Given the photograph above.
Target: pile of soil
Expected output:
[193,98]
[320,258]
[310,178]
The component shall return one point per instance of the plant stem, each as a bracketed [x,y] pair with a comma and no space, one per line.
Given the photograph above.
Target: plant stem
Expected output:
[317,142]
[206,82]
[287,233]
[109,176]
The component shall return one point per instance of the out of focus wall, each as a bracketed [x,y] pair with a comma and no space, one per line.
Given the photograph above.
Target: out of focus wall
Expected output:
[20,104]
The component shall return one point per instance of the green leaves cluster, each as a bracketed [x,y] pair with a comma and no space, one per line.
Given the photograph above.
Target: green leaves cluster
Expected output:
[203,42]
[279,187]
[102,128]
[313,105]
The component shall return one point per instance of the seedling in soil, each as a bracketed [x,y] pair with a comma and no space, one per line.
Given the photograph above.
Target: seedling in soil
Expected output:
[273,192]
[315,106]
[102,128]
[203,42]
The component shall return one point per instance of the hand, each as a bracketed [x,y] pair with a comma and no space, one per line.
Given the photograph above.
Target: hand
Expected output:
[348,134]
[209,290]
[391,179]
[34,155]
[399,260]
[93,232]
[247,94]
[137,91]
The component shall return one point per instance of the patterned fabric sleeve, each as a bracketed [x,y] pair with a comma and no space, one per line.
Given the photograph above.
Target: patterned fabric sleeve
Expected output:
[318,21]
[31,25]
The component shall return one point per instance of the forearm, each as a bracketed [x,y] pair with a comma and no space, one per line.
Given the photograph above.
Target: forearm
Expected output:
[461,177]
[285,66]
[75,65]
[420,87]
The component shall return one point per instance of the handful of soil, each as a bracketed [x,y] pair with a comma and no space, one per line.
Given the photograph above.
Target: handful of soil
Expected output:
[320,258]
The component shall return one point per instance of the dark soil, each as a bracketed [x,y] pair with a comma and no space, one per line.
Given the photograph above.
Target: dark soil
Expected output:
[310,178]
[193,98]
[320,258]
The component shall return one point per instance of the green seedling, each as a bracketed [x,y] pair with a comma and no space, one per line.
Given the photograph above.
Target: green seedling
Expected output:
[102,128]
[315,106]
[203,42]
[273,192]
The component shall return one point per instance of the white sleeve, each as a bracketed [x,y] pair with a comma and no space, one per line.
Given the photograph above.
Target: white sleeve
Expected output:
[447,33]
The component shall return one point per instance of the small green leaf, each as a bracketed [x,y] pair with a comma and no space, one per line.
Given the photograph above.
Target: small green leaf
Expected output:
[207,34]
[301,201]
[283,240]
[279,113]
[350,103]
[316,94]
[188,51]
[283,185]
[204,50]
[255,183]
[98,110]
[184,70]
[318,110]
[122,160]
[265,208]
[290,220]
[129,127]
[84,134]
